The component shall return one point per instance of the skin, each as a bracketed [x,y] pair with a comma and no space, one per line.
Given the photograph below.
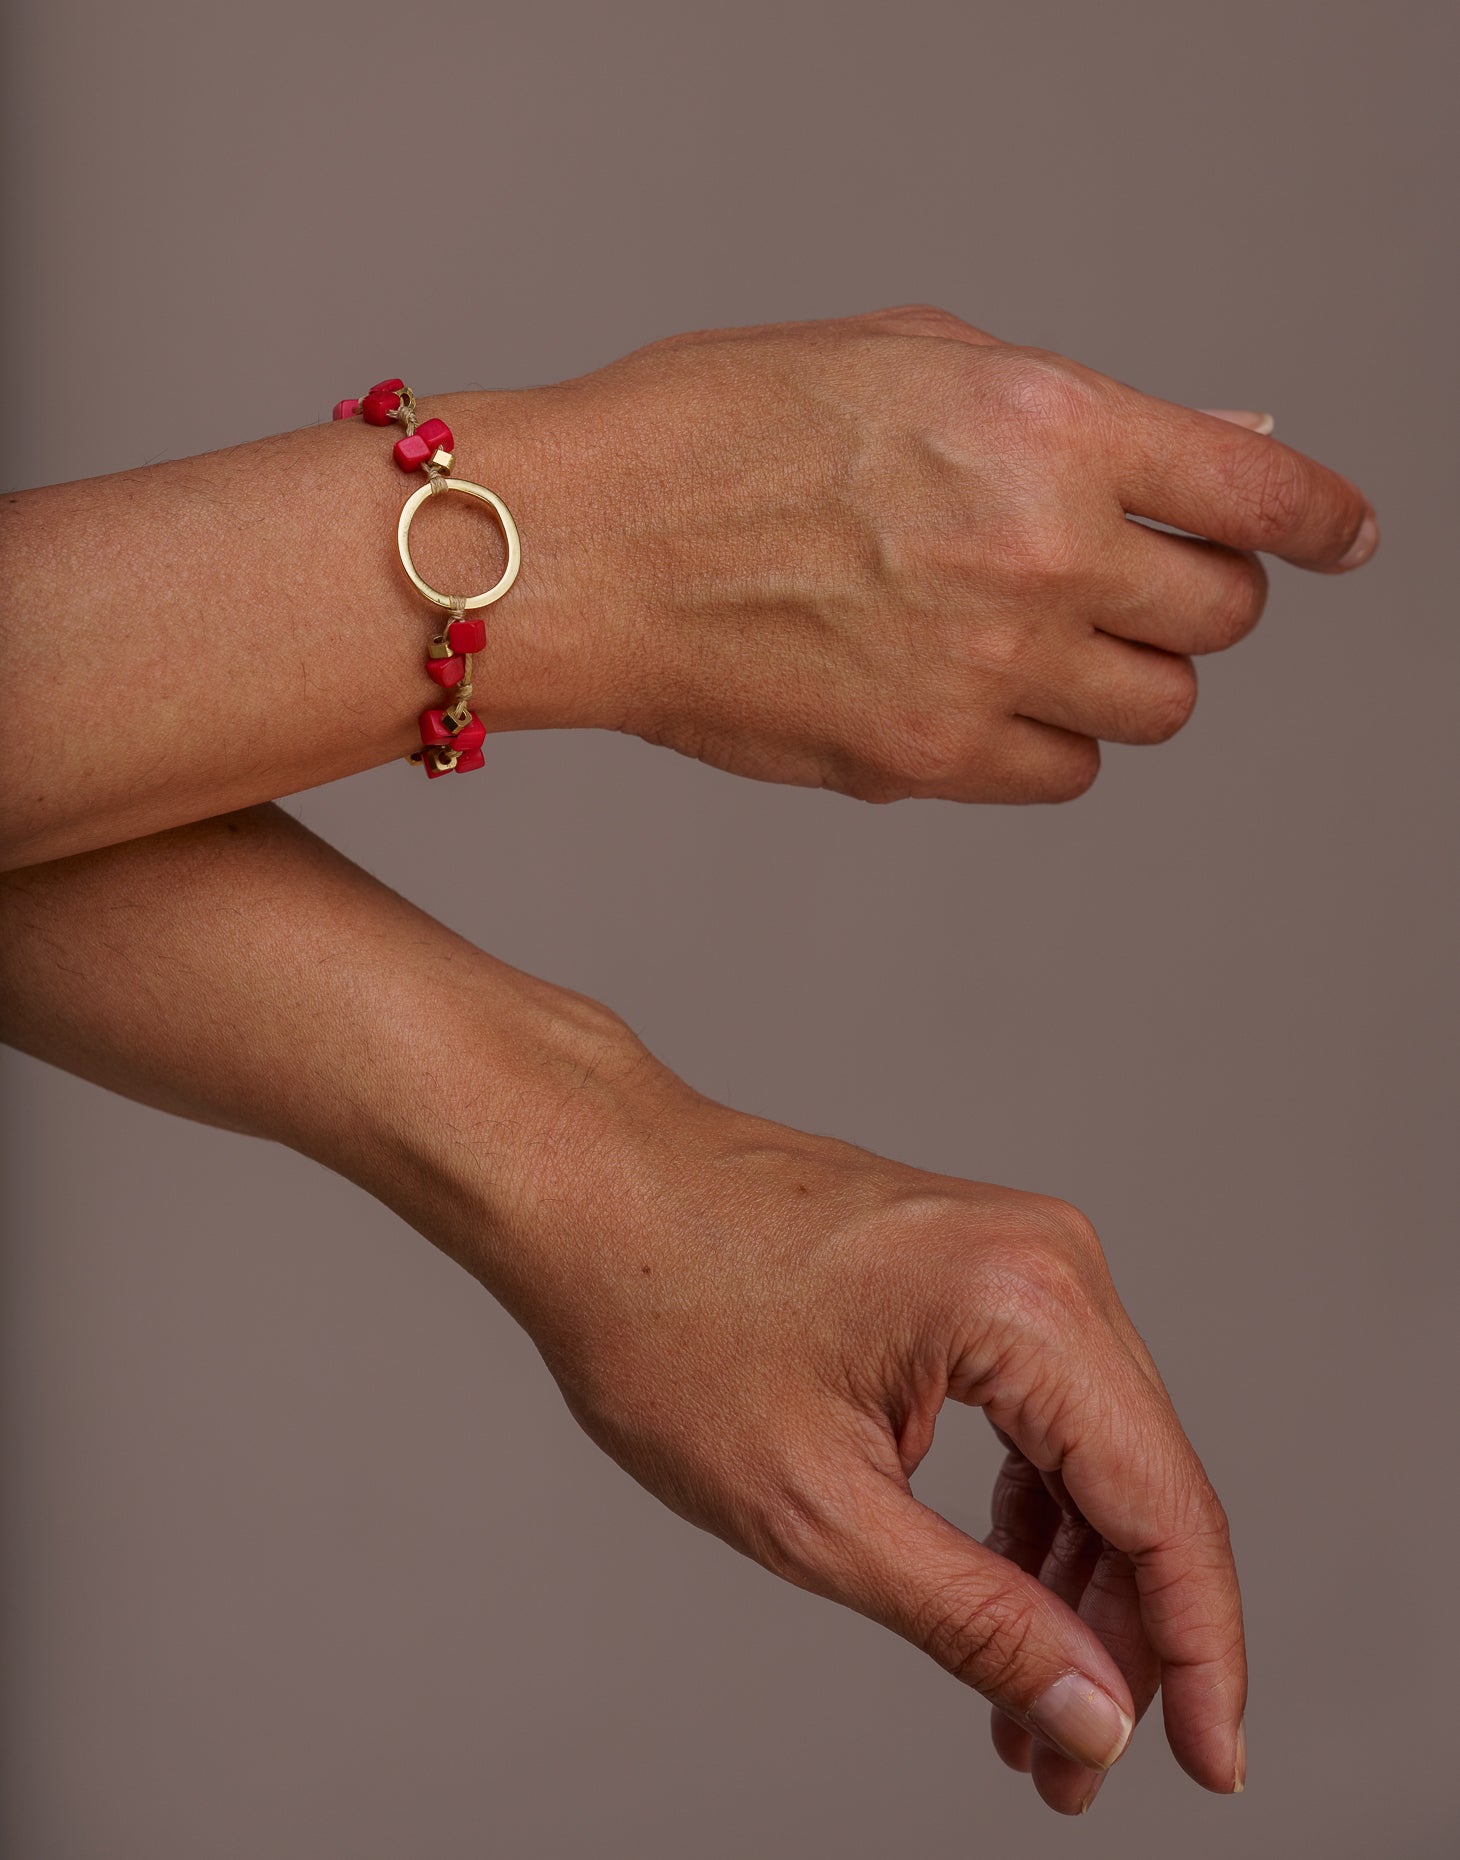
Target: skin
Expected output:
[759,1325]
[889,555]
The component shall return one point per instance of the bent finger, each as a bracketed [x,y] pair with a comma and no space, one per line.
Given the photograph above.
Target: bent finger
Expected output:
[1183,593]
[1136,1477]
[1117,691]
[1023,1522]
[1110,1604]
[1038,761]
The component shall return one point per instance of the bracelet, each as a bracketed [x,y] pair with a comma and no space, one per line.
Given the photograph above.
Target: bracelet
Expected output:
[451,735]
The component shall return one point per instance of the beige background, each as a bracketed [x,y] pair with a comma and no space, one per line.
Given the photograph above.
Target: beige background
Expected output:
[305,1559]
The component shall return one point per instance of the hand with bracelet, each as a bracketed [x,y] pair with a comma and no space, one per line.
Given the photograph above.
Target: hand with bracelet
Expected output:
[889,555]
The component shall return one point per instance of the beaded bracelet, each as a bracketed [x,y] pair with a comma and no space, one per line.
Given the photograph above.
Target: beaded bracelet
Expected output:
[451,735]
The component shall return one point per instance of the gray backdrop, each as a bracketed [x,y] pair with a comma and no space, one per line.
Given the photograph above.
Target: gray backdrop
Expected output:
[305,1559]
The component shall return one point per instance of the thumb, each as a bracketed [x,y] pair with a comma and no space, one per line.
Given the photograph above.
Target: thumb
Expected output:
[1262,423]
[983,1620]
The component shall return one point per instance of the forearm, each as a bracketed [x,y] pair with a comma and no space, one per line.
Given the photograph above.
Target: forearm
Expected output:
[242,973]
[200,635]
[759,1325]
[887,555]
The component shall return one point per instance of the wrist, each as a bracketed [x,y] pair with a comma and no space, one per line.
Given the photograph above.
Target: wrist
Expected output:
[492,1127]
[554,658]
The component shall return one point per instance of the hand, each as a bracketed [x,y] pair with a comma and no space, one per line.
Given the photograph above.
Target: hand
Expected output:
[761,1327]
[888,554]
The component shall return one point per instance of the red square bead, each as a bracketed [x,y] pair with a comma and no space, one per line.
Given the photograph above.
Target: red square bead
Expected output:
[393,386]
[472,736]
[467,635]
[473,759]
[379,409]
[345,410]
[411,451]
[436,433]
[447,671]
[436,732]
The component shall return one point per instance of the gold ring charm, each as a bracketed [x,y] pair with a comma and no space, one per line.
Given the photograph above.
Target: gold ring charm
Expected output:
[509,531]
[452,733]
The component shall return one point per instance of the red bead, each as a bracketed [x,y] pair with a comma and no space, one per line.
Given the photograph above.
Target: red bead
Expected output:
[472,737]
[436,433]
[467,635]
[436,733]
[446,671]
[345,410]
[473,759]
[393,386]
[411,451]
[379,409]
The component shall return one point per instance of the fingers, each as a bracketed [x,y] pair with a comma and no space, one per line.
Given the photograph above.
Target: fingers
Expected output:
[1119,691]
[981,1618]
[1039,761]
[1192,1614]
[1073,1562]
[1125,677]
[1069,1562]
[1023,1520]
[1137,1480]
[1208,475]
[1100,1583]
[1183,594]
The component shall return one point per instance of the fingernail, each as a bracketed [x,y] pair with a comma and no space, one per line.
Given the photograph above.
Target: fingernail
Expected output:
[1255,422]
[1077,1717]
[1239,1773]
[1365,543]
[1091,1793]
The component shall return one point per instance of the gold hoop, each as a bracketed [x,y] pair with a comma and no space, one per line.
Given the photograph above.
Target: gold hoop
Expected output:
[504,517]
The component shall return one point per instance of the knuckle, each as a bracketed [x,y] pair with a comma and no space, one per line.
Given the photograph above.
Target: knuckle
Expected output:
[1266,483]
[1001,646]
[1070,774]
[1169,709]
[1207,1528]
[979,1640]
[1042,557]
[918,320]
[1048,1261]
[1068,1223]
[1238,608]
[1044,391]
[1039,1294]
[788,1544]
[799,1529]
